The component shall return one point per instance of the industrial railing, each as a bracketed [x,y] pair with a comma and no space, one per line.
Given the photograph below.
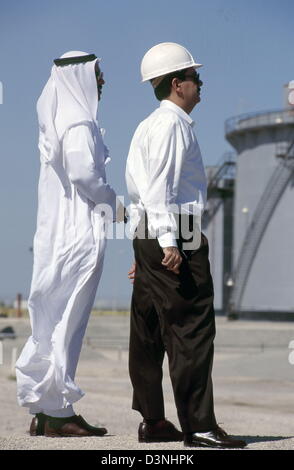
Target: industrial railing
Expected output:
[225,170]
[259,119]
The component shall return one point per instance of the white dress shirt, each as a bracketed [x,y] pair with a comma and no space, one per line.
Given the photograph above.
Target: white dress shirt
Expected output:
[165,173]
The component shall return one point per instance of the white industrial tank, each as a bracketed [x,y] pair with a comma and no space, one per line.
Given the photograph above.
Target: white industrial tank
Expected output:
[263,228]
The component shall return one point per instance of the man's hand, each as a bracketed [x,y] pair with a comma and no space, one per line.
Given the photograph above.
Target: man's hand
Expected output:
[172,259]
[126,216]
[131,273]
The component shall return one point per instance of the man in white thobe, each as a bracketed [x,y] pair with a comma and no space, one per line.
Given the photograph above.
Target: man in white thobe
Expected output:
[69,244]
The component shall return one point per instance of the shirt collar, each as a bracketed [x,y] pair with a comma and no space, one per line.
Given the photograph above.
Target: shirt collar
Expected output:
[179,111]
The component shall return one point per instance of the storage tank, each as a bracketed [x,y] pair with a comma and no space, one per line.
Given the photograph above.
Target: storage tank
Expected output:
[263,228]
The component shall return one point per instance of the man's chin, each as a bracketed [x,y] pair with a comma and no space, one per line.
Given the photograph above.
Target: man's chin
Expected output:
[197,100]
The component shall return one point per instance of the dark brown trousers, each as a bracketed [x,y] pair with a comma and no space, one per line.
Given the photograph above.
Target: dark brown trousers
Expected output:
[173,313]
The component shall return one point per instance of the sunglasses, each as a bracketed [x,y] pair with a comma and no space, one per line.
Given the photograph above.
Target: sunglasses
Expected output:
[99,75]
[195,77]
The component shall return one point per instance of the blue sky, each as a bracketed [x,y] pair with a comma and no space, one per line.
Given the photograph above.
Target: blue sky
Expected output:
[247,51]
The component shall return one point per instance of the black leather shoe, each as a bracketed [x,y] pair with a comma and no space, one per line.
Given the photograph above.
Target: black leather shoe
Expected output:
[214,438]
[162,431]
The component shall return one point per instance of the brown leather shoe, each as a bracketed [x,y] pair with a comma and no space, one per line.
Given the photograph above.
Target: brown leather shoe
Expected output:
[37,425]
[75,426]
[162,431]
[214,438]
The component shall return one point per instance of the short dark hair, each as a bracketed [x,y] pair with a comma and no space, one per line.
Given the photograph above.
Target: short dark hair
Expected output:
[163,90]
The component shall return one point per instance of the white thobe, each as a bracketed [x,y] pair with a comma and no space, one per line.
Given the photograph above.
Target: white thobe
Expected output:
[165,173]
[69,247]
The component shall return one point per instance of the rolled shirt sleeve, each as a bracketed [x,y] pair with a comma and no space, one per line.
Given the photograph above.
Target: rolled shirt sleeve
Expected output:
[82,168]
[166,151]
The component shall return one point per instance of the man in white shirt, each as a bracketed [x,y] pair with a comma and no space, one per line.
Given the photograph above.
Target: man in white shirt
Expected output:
[69,244]
[172,303]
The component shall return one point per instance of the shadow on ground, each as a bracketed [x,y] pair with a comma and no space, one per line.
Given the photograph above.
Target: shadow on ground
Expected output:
[254,439]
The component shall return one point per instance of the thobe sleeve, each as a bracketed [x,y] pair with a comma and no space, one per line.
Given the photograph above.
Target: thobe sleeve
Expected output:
[88,177]
[166,149]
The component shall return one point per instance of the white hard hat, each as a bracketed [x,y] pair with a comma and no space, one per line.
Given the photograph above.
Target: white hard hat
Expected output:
[165,58]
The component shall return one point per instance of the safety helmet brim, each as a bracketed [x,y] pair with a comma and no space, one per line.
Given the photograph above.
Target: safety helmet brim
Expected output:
[166,71]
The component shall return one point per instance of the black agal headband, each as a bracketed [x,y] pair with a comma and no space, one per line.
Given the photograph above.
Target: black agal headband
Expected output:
[75,60]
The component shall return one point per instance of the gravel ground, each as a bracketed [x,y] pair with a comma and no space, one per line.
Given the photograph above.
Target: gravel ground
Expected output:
[253,388]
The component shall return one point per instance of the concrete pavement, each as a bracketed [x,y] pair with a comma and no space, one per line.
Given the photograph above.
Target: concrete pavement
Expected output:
[253,387]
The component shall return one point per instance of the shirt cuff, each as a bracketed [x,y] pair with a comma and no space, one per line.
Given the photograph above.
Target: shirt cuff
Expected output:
[167,239]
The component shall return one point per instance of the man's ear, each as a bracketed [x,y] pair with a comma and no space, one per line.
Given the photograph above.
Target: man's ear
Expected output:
[176,82]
